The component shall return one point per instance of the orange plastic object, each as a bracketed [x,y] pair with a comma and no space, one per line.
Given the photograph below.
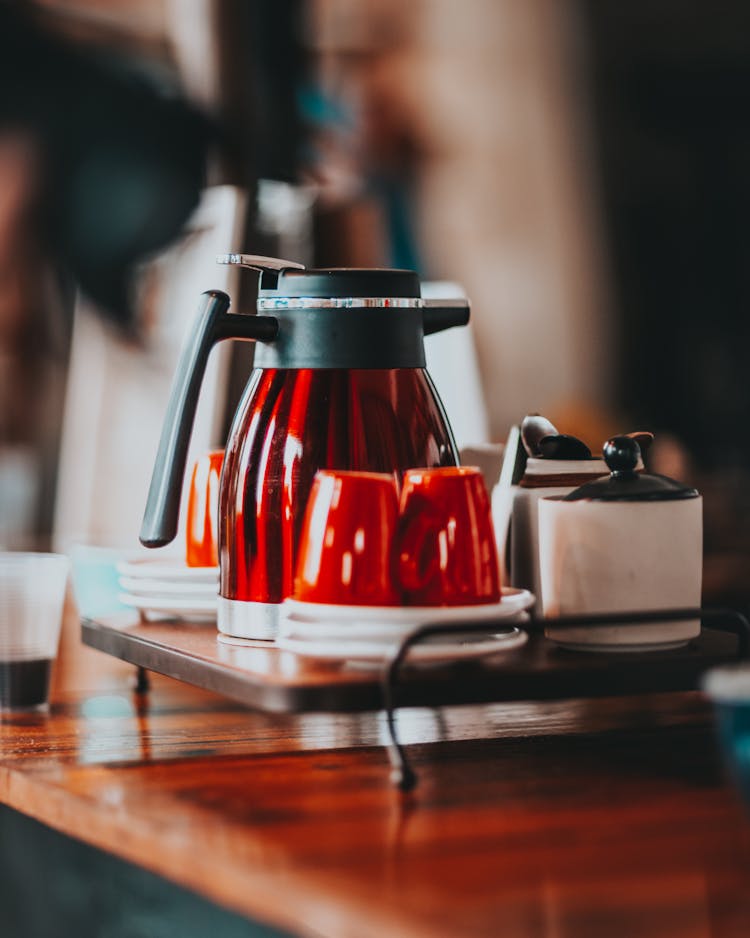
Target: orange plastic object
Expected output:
[203,511]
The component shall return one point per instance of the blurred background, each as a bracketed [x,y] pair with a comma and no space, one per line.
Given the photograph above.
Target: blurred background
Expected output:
[578,167]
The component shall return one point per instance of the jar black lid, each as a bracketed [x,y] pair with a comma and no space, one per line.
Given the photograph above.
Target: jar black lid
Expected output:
[624,484]
[339,282]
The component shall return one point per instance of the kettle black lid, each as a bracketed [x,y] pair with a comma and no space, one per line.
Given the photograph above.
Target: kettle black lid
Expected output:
[621,454]
[339,282]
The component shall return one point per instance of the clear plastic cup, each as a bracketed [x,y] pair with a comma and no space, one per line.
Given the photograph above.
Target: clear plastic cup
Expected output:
[32,594]
[95,579]
[728,687]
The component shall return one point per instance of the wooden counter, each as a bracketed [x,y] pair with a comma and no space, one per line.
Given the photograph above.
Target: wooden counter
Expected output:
[607,817]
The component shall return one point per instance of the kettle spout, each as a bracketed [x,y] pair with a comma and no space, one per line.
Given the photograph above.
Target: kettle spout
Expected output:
[444,314]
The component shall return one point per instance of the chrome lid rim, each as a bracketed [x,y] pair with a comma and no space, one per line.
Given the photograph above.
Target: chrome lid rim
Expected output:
[341,302]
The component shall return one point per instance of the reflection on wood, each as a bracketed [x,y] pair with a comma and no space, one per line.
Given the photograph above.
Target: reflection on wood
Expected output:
[562,819]
[575,819]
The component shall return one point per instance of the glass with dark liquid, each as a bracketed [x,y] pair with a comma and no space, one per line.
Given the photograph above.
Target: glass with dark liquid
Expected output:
[24,684]
[32,593]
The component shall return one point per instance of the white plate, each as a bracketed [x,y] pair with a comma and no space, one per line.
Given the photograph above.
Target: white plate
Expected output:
[621,639]
[199,609]
[223,639]
[157,569]
[175,589]
[293,626]
[430,651]
[619,649]
[397,618]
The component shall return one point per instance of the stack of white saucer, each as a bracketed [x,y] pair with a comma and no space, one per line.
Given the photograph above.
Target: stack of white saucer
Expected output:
[169,589]
[371,633]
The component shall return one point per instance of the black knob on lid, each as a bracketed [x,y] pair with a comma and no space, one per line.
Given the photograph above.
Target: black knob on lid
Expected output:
[622,453]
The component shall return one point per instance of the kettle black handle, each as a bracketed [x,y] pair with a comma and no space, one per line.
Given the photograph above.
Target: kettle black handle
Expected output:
[438,315]
[214,323]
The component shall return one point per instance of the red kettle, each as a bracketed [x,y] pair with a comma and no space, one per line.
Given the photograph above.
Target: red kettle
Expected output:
[339,383]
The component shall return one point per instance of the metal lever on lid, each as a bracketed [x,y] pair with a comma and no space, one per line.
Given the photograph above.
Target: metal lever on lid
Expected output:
[257,262]
[267,268]
[214,324]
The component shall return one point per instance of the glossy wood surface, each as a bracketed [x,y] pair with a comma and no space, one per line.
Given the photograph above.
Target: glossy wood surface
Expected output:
[546,820]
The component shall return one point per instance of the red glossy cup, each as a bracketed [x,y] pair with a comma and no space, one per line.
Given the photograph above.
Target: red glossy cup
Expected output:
[203,511]
[446,552]
[345,549]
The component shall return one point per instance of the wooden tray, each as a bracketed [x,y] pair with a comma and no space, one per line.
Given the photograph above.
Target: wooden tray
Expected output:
[265,678]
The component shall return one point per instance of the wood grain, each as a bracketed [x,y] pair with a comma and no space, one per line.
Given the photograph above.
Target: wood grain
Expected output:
[562,819]
[577,818]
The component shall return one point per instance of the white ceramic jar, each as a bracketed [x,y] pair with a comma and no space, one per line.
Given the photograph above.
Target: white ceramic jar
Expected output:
[630,542]
[515,515]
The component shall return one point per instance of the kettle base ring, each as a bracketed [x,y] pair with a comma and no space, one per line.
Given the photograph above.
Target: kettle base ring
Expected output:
[247,619]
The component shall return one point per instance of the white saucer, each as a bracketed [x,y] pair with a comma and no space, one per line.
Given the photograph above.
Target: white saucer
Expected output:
[429,651]
[397,618]
[623,639]
[244,642]
[177,589]
[384,633]
[619,649]
[203,610]
[158,569]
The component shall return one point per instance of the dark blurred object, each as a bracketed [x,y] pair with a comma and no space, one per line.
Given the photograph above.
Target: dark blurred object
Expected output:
[121,166]
[276,70]
[563,446]
[670,85]
[541,439]
[533,429]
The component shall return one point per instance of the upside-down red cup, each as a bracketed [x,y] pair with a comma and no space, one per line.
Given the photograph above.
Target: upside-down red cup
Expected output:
[446,552]
[203,511]
[345,548]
